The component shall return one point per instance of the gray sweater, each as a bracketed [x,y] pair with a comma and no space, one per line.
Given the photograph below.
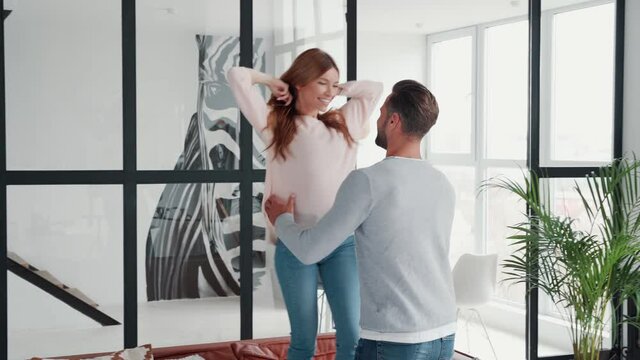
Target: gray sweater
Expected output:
[401,211]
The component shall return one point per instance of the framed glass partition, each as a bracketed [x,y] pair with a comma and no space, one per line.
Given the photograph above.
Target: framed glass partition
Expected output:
[122,138]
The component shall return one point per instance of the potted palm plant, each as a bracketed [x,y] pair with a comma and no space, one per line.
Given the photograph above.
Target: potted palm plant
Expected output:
[581,271]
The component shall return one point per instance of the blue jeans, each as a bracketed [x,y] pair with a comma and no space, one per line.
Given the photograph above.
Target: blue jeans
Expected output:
[439,349]
[299,284]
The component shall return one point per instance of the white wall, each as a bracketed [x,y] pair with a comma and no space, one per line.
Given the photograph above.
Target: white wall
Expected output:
[631,127]
[388,58]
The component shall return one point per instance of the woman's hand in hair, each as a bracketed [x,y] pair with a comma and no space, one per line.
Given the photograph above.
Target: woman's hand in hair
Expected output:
[280,90]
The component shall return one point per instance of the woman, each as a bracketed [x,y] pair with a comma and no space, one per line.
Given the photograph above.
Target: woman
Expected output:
[310,152]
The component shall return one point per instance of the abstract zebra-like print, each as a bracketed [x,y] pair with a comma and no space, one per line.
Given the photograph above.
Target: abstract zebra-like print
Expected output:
[192,247]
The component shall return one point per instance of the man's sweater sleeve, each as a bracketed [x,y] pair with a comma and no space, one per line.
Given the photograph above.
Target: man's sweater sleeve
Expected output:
[350,209]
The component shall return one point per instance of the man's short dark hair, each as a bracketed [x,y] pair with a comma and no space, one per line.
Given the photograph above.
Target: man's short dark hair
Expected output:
[416,105]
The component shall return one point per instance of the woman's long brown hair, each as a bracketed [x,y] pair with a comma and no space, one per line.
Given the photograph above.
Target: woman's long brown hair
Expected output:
[307,67]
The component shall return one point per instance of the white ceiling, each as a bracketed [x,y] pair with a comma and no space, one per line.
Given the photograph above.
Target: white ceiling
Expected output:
[432,16]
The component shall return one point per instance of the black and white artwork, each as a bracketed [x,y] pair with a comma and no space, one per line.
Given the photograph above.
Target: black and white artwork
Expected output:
[193,243]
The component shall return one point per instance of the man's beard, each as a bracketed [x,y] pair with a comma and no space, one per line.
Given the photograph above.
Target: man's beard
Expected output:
[381,139]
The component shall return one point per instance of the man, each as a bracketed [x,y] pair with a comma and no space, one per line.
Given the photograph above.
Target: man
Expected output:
[401,210]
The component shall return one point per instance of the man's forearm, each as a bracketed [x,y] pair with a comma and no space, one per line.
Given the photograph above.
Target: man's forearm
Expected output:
[308,246]
[351,207]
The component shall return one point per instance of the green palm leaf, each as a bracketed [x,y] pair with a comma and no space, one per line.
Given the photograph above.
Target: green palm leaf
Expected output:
[581,271]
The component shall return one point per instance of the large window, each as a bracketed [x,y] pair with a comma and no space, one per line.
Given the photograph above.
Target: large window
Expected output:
[576,119]
[481,131]
[479,75]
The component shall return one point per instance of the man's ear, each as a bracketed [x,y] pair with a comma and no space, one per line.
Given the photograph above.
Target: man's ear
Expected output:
[395,119]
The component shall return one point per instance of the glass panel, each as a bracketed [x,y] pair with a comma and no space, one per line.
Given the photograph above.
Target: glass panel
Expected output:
[276,53]
[577,97]
[504,209]
[71,235]
[337,48]
[283,14]
[187,117]
[387,54]
[464,53]
[188,256]
[553,320]
[437,46]
[283,61]
[304,19]
[567,202]
[63,63]
[505,315]
[307,44]
[554,332]
[451,80]
[332,14]
[316,25]
[506,90]
[269,312]
[463,232]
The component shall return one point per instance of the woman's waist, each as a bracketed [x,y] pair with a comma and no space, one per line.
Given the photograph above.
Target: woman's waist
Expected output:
[309,193]
[311,169]
[309,207]
[317,184]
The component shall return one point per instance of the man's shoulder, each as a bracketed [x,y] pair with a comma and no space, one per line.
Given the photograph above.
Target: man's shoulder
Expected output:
[369,173]
[360,174]
[379,166]
[416,172]
[398,164]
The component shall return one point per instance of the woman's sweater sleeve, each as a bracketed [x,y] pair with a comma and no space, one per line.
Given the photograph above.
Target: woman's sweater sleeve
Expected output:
[249,100]
[364,97]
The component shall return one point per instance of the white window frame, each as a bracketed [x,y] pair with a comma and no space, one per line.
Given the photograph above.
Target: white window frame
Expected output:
[477,158]
[467,159]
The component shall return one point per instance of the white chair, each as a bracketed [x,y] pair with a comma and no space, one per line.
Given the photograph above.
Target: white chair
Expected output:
[474,281]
